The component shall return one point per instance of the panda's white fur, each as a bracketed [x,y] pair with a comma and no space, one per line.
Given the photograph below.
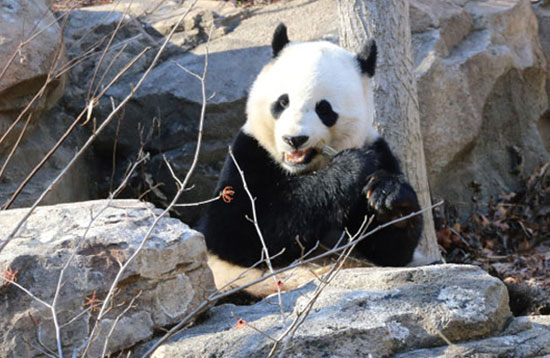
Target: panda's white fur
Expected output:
[310,72]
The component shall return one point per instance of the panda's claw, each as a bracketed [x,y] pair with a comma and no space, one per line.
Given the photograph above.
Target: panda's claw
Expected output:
[390,196]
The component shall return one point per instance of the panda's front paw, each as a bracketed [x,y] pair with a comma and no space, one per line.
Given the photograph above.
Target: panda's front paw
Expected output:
[390,196]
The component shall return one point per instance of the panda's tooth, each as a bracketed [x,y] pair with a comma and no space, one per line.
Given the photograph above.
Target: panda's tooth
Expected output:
[297,156]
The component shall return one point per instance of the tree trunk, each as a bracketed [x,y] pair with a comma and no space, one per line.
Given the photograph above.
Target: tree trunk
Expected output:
[396,104]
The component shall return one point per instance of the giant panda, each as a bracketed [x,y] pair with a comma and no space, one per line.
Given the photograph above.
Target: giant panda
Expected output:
[311,96]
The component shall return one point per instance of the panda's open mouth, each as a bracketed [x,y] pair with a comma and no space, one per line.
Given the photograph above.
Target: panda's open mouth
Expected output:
[299,157]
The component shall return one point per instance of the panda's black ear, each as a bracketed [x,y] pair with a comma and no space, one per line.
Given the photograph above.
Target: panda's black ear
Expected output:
[280,39]
[367,58]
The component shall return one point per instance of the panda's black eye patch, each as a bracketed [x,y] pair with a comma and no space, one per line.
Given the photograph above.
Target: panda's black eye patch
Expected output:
[326,113]
[279,105]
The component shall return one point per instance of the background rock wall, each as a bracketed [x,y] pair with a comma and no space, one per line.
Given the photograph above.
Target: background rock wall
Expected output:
[480,68]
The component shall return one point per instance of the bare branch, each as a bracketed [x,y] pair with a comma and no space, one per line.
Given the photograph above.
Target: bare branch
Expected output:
[259,231]
[11,282]
[111,331]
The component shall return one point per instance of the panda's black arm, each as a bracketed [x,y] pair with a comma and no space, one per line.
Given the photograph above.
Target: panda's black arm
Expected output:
[309,206]
[389,196]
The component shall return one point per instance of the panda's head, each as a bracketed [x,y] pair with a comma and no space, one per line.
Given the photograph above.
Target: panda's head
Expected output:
[310,95]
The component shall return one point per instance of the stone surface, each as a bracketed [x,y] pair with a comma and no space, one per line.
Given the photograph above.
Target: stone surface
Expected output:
[142,24]
[76,185]
[169,276]
[481,85]
[376,311]
[528,338]
[21,78]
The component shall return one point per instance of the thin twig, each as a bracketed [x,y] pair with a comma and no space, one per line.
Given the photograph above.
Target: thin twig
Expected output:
[27,41]
[174,200]
[112,329]
[14,147]
[259,231]
[38,329]
[102,57]
[323,283]
[141,158]
[11,282]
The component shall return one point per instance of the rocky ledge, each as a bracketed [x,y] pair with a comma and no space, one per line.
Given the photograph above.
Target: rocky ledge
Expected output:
[166,279]
[374,312]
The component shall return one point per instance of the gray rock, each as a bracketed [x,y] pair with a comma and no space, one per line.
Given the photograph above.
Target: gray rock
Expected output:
[481,85]
[76,185]
[169,276]
[142,24]
[376,311]
[531,341]
[26,73]
[23,79]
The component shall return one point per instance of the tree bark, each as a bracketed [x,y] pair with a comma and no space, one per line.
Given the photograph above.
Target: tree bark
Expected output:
[397,115]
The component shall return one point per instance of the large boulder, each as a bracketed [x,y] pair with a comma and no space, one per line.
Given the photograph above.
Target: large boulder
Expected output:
[167,279]
[481,87]
[364,312]
[29,31]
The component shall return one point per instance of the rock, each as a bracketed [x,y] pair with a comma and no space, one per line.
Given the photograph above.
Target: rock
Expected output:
[481,85]
[27,72]
[167,279]
[23,79]
[77,184]
[532,341]
[364,312]
[142,24]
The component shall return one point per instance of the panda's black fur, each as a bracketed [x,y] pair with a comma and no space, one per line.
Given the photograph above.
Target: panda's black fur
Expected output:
[312,205]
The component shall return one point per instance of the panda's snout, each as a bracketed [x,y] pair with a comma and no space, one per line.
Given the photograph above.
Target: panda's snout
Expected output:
[295,141]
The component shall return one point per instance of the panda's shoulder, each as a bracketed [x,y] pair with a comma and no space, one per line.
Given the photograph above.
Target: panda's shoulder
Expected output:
[253,160]
[247,148]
